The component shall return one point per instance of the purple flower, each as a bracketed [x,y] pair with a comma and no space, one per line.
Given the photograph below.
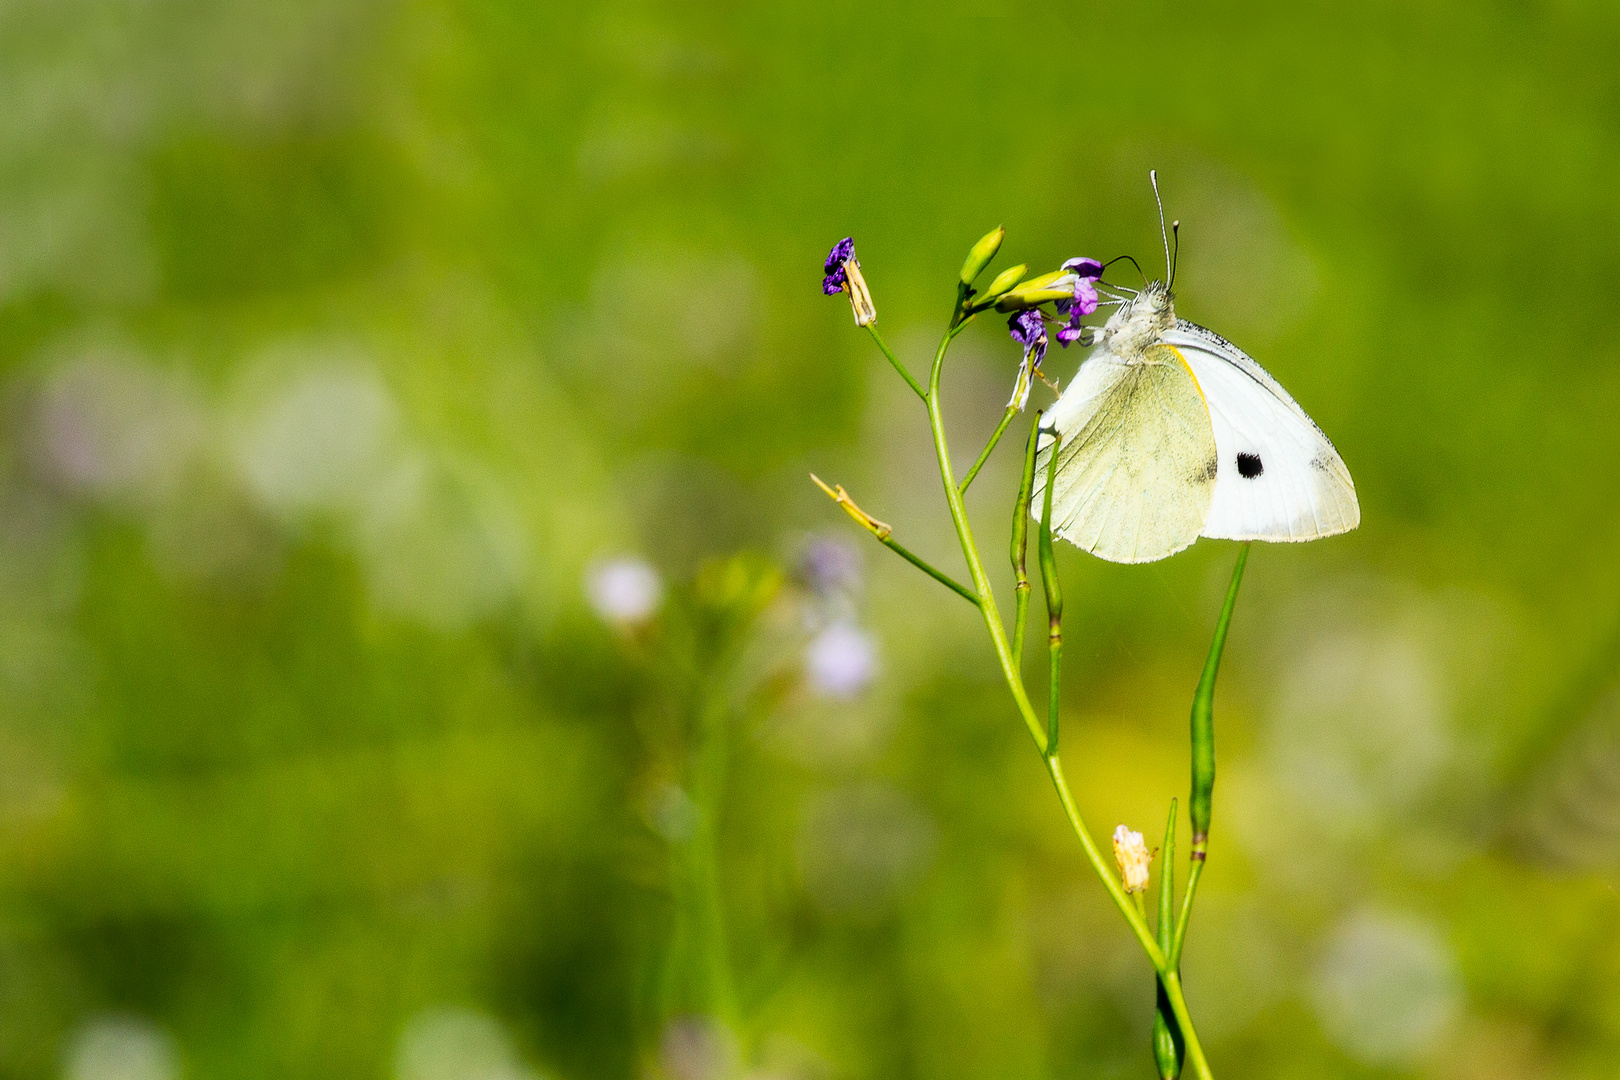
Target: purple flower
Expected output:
[842,252]
[843,272]
[1028,328]
[1086,272]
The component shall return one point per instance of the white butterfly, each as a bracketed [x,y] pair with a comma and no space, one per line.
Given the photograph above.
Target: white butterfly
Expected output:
[1169,432]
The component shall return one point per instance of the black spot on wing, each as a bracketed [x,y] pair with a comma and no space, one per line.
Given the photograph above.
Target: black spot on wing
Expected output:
[1211,469]
[1250,466]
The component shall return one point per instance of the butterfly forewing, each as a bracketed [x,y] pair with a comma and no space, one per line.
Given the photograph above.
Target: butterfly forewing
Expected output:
[1279,478]
[1137,462]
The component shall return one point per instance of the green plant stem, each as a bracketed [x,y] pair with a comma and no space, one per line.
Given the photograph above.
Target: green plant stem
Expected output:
[1167,1051]
[984,455]
[1167,975]
[871,328]
[938,575]
[1202,726]
[1037,731]
[885,536]
[970,550]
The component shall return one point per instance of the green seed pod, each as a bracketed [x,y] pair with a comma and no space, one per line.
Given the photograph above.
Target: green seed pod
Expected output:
[982,253]
[1203,717]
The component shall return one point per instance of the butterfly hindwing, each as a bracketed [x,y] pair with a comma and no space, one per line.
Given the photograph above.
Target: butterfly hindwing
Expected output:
[1137,462]
[1279,478]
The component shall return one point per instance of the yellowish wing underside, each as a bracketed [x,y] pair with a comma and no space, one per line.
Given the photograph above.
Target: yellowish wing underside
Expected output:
[1137,463]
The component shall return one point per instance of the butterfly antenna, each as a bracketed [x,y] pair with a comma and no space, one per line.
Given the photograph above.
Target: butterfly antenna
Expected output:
[1153,178]
[1175,252]
[1133,262]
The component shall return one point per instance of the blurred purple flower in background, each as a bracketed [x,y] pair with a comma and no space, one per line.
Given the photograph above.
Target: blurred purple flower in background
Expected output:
[841,661]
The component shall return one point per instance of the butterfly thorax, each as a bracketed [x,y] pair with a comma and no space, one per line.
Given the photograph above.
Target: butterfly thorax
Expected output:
[1139,323]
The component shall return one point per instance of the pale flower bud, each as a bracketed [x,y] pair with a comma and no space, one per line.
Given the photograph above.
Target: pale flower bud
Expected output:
[1131,852]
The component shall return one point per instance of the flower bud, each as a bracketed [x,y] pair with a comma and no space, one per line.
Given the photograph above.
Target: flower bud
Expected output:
[1131,852]
[982,253]
[1024,297]
[1004,281]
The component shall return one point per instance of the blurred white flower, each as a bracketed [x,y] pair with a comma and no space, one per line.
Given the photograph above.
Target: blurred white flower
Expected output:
[624,590]
[457,1044]
[841,661]
[120,1048]
[1386,988]
[1131,852]
[319,439]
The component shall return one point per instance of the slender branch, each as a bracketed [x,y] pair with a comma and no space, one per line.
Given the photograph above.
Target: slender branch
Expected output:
[1054,597]
[883,533]
[1020,544]
[970,550]
[984,455]
[1138,925]
[1167,882]
[871,328]
[1038,732]
[1168,1049]
[1201,799]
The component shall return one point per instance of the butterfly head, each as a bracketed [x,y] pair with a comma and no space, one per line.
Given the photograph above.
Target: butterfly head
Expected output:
[1140,321]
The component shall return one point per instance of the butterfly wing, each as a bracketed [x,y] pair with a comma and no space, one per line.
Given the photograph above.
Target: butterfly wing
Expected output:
[1136,461]
[1279,477]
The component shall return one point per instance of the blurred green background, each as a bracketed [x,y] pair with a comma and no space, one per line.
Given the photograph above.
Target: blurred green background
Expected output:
[423,655]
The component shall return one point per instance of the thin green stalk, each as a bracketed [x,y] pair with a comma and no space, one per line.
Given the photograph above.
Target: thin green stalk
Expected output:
[984,455]
[871,328]
[998,638]
[697,975]
[938,575]
[1138,925]
[884,534]
[970,550]
[1168,1050]
[1202,725]
[1020,544]
[1054,597]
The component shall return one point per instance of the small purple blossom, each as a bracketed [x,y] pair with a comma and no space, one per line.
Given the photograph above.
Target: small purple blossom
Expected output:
[843,272]
[836,279]
[1086,272]
[1028,328]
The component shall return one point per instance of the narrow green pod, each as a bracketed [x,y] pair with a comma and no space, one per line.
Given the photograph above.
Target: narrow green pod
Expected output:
[1020,542]
[1200,802]
[1054,596]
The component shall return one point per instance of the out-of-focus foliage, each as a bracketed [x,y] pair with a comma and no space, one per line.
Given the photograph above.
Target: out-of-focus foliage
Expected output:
[350,348]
